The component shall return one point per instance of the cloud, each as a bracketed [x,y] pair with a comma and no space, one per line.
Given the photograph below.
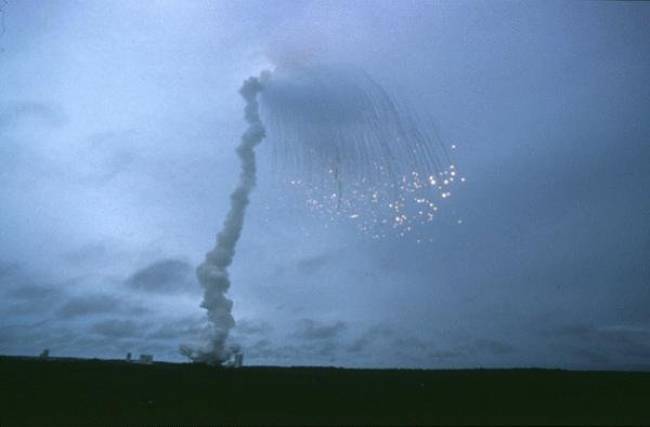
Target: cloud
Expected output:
[109,154]
[319,342]
[261,348]
[32,337]
[634,305]
[410,344]
[404,347]
[313,264]
[494,347]
[166,276]
[32,292]
[90,305]
[112,337]
[23,294]
[185,329]
[88,254]
[14,113]
[624,342]
[252,327]
[264,349]
[116,328]
[553,214]
[446,354]
[591,356]
[313,351]
[7,269]
[30,300]
[309,329]
[370,338]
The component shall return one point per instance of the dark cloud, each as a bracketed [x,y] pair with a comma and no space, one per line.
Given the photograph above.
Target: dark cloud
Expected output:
[309,329]
[24,295]
[446,354]
[17,112]
[7,269]
[261,349]
[166,276]
[313,350]
[11,276]
[34,292]
[494,347]
[410,344]
[592,357]
[264,349]
[111,338]
[88,254]
[313,264]
[549,114]
[635,305]
[183,329]
[30,300]
[88,305]
[419,350]
[117,328]
[252,327]
[32,337]
[370,338]
[576,330]
[624,343]
[326,349]
[110,154]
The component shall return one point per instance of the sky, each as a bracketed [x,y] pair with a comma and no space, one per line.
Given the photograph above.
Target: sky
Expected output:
[118,123]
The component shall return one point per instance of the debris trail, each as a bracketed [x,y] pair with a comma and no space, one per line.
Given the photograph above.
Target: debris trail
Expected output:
[354,150]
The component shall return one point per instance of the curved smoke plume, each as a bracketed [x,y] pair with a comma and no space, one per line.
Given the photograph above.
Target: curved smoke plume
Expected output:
[328,123]
[213,272]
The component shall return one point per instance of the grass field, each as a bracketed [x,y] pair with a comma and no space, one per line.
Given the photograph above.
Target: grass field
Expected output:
[68,392]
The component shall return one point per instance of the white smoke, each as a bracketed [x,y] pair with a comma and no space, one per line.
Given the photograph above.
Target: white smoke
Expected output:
[328,121]
[213,272]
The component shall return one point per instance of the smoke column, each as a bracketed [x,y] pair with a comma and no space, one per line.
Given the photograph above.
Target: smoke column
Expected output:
[213,272]
[329,123]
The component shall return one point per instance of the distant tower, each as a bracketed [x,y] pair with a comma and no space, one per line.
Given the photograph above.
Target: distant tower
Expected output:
[128,356]
[45,354]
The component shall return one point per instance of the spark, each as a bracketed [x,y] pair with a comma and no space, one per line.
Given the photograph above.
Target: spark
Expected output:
[356,154]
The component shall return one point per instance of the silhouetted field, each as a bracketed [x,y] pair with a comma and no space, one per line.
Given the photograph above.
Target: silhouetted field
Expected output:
[68,392]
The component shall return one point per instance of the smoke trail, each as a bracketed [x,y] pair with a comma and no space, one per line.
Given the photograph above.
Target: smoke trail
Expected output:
[328,122]
[213,272]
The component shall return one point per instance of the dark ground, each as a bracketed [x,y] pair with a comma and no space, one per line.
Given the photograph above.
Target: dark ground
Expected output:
[68,392]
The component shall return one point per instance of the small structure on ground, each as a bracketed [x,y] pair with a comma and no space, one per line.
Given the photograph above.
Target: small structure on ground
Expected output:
[45,354]
[147,359]
[128,357]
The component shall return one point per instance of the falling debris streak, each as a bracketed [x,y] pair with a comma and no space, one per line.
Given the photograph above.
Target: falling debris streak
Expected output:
[353,151]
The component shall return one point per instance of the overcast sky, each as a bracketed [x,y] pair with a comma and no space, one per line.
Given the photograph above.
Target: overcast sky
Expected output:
[118,122]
